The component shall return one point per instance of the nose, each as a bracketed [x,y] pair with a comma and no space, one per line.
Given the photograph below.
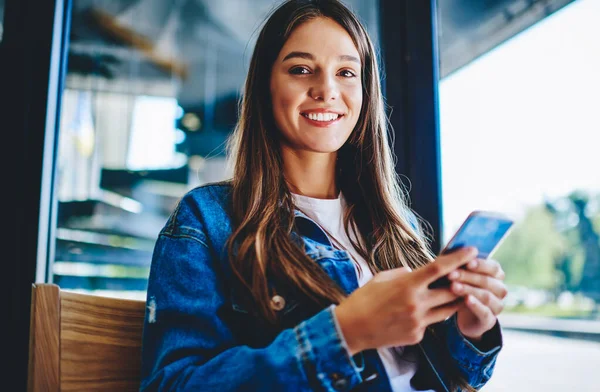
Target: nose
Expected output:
[325,89]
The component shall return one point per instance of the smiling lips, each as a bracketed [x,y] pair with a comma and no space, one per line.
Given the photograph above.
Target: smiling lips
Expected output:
[322,118]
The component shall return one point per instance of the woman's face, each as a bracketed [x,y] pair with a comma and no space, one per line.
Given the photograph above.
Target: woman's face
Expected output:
[316,88]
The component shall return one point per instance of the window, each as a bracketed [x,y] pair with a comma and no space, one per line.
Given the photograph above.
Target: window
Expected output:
[150,98]
[519,134]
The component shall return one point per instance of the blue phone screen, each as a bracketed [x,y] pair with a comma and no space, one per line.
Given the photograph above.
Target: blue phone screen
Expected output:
[482,232]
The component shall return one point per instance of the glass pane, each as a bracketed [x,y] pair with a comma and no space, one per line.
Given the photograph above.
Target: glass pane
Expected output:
[151,95]
[1,19]
[519,135]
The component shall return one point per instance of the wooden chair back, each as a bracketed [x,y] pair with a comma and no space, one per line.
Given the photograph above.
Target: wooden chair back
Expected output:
[80,342]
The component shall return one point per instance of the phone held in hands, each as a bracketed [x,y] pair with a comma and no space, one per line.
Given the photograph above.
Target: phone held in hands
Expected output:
[484,230]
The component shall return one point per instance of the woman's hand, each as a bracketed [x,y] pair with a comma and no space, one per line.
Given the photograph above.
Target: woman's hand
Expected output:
[483,288]
[395,307]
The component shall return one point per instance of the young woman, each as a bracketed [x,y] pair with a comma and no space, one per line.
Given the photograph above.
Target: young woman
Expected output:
[307,271]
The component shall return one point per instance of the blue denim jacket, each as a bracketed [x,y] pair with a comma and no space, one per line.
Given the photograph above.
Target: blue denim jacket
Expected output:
[198,335]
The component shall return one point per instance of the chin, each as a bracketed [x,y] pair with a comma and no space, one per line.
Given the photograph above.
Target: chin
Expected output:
[324,147]
[324,144]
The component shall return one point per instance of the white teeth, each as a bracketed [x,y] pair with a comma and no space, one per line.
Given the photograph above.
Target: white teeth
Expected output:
[322,116]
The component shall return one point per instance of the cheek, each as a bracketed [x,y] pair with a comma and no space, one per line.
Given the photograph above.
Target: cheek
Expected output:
[285,97]
[354,101]
[283,120]
[359,100]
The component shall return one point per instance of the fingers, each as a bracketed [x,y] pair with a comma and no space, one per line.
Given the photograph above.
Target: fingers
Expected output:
[391,274]
[496,286]
[441,313]
[480,310]
[484,297]
[439,297]
[488,267]
[445,264]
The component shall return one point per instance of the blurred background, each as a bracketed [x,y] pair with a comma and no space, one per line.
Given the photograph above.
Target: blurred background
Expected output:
[150,97]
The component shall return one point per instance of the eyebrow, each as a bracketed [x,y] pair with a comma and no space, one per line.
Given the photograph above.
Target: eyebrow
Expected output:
[308,56]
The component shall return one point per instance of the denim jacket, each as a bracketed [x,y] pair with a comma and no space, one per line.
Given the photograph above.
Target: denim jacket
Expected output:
[199,335]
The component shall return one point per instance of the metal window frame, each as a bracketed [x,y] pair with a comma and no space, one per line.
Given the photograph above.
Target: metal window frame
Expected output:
[33,52]
[411,76]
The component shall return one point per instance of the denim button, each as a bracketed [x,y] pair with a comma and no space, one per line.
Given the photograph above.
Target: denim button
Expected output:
[372,377]
[277,302]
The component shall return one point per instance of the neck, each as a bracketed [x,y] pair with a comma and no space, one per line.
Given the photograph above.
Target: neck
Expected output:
[310,174]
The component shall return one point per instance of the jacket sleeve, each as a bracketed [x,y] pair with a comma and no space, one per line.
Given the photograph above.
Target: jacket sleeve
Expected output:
[475,362]
[188,347]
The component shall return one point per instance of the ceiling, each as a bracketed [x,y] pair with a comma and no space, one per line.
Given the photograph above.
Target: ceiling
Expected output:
[470,28]
[198,50]
[212,39]
[218,34]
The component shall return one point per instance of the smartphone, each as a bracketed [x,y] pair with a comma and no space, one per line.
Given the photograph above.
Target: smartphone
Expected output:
[484,230]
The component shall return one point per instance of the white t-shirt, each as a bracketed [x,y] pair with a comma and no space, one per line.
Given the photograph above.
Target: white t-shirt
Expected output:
[329,214]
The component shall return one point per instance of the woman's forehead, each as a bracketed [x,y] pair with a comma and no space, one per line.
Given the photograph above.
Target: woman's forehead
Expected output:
[320,37]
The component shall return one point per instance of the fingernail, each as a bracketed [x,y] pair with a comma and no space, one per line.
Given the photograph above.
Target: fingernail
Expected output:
[458,287]
[453,275]
[473,264]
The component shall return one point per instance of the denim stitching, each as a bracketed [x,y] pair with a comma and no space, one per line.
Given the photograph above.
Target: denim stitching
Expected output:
[305,350]
[196,231]
[185,236]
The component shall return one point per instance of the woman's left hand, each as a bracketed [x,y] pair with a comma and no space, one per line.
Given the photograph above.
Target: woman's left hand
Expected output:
[482,287]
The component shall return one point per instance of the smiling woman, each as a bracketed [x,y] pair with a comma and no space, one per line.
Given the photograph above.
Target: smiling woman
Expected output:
[308,271]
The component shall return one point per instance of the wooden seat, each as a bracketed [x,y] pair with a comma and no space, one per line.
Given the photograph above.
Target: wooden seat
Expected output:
[81,342]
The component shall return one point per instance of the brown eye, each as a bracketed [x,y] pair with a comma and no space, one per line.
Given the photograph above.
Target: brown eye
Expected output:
[347,73]
[299,71]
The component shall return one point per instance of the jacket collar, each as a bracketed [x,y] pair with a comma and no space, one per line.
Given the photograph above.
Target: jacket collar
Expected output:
[308,228]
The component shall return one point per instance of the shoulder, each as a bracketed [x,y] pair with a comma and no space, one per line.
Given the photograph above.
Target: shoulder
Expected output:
[201,210]
[208,196]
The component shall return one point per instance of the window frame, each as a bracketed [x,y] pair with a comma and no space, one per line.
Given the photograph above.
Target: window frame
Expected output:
[35,45]
[411,76]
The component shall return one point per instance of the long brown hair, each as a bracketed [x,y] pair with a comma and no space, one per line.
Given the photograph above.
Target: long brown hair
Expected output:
[262,246]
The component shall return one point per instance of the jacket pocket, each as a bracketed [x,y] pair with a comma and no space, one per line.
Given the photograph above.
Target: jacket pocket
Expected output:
[252,329]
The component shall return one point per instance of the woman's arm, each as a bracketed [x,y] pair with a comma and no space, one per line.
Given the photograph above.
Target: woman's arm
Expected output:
[187,346]
[475,361]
